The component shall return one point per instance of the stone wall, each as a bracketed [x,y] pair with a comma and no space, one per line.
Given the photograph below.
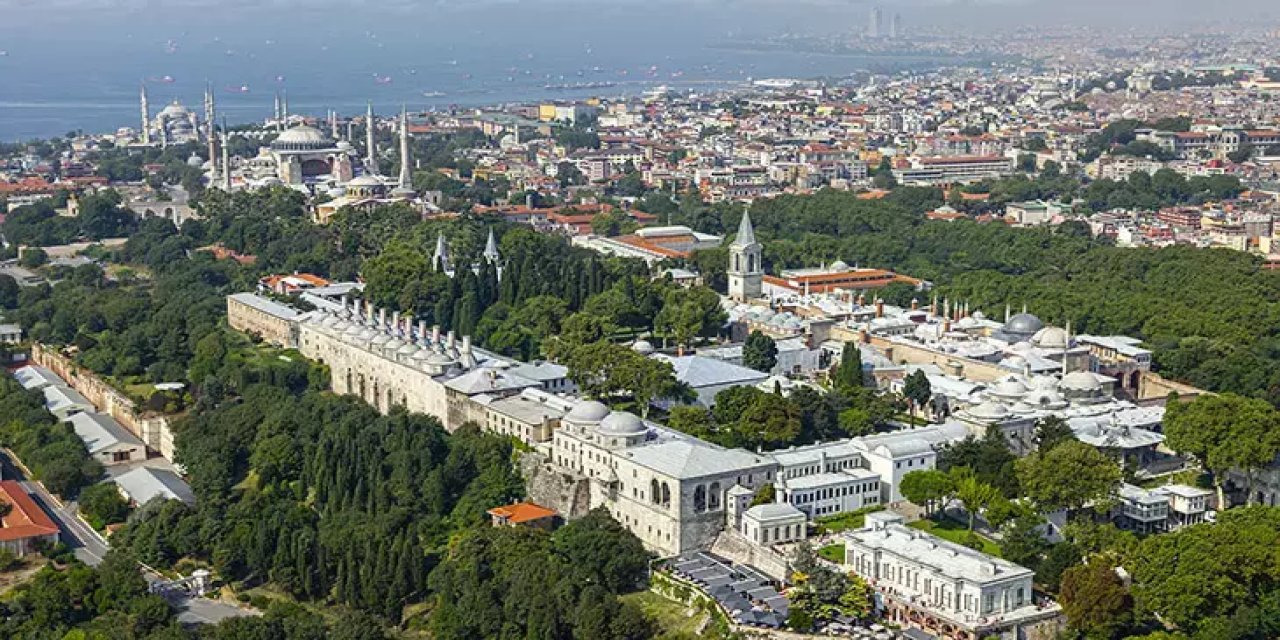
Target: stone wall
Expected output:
[732,545]
[150,428]
[1152,386]
[553,488]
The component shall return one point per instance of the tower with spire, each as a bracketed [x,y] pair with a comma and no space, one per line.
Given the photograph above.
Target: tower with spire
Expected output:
[211,130]
[146,115]
[404,187]
[371,156]
[746,273]
[440,260]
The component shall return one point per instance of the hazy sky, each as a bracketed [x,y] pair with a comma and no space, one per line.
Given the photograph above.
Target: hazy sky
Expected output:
[713,13]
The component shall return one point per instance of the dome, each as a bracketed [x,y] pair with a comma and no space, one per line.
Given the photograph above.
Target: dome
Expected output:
[1009,388]
[1045,383]
[380,339]
[422,354]
[195,161]
[364,181]
[1081,381]
[301,138]
[642,347]
[588,411]
[175,110]
[1050,338]
[978,315]
[1024,323]
[839,265]
[989,411]
[621,423]
[407,350]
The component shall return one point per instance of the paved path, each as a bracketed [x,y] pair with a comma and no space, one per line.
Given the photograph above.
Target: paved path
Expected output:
[90,548]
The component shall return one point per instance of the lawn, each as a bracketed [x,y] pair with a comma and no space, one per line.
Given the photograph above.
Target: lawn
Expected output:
[833,552]
[955,532]
[672,617]
[845,521]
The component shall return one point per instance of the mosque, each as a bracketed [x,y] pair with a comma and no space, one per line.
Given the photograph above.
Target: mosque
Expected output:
[174,124]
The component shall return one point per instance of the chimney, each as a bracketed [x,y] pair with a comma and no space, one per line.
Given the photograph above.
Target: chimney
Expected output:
[466,343]
[422,330]
[395,321]
[435,334]
[863,336]
[382,317]
[915,304]
[368,311]
[879,307]
[451,342]
[862,300]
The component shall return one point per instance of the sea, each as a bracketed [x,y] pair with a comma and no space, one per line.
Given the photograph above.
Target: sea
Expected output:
[60,74]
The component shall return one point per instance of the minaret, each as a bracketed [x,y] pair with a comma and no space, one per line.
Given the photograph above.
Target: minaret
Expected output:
[746,273]
[406,172]
[370,159]
[226,160]
[278,113]
[211,130]
[333,125]
[146,116]
[284,109]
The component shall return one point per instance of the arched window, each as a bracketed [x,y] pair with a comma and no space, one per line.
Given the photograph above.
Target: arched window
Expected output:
[699,499]
[713,500]
[666,495]
[655,494]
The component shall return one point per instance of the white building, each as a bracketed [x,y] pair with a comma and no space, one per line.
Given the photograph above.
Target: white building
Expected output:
[942,587]
[107,441]
[668,488]
[139,486]
[1160,509]
[772,524]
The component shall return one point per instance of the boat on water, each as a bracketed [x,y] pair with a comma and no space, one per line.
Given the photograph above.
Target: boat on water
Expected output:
[434,94]
[160,79]
[575,86]
[377,79]
[244,88]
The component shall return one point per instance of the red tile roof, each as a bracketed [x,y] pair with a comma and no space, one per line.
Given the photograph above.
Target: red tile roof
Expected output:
[522,512]
[26,519]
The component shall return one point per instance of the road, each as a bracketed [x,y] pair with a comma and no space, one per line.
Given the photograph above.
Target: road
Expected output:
[90,548]
[85,543]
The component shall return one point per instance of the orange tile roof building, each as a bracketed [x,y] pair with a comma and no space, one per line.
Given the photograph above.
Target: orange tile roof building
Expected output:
[26,525]
[523,514]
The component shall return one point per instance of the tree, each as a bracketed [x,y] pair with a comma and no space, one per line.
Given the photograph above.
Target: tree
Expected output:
[766,494]
[33,257]
[760,352]
[1069,476]
[1208,577]
[1052,431]
[1226,432]
[103,505]
[1095,600]
[975,495]
[917,390]
[929,488]
[989,457]
[849,372]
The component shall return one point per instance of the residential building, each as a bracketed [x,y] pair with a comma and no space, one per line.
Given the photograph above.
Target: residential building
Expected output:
[24,526]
